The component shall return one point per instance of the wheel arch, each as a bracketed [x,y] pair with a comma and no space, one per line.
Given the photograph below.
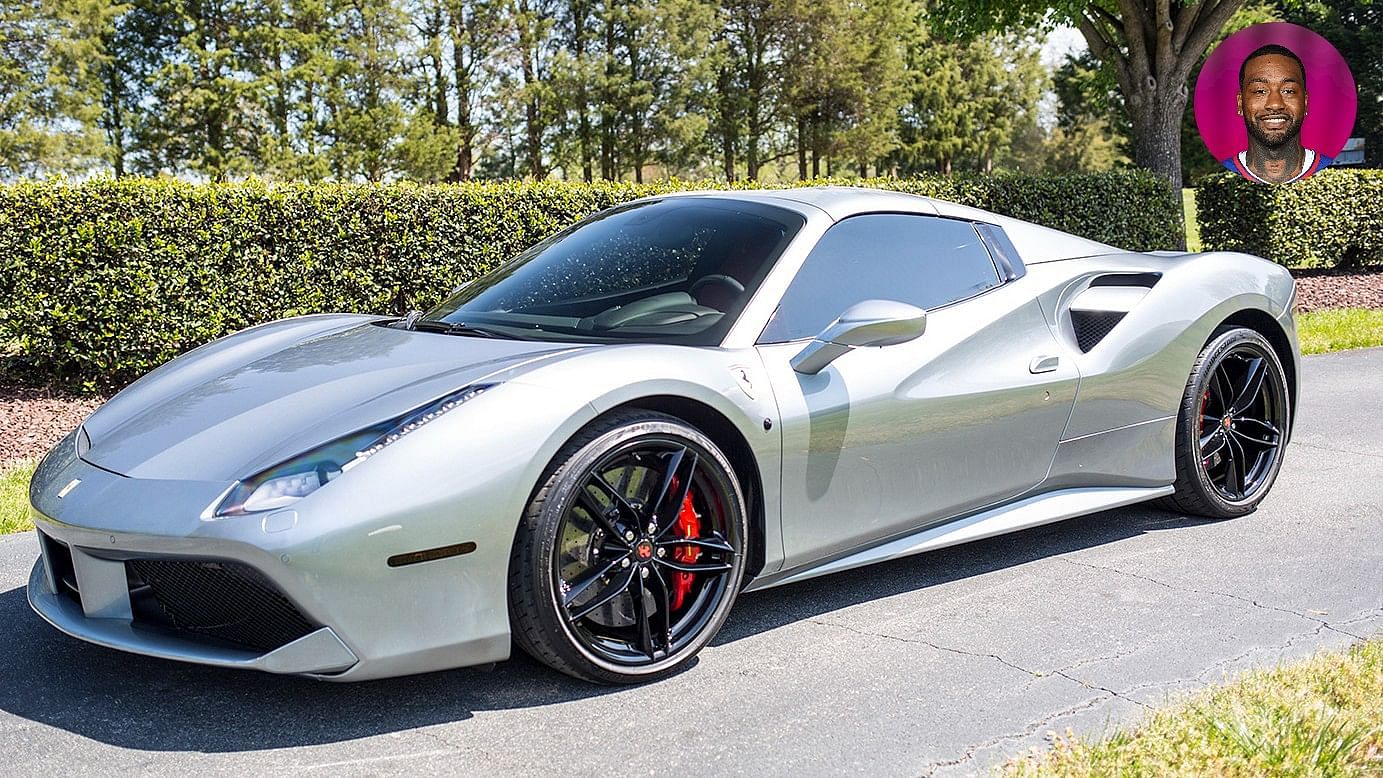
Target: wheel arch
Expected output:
[1271,329]
[728,438]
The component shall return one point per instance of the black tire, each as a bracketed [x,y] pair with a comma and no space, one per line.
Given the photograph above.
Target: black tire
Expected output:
[1226,471]
[589,601]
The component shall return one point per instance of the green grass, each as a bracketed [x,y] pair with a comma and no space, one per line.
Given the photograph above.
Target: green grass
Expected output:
[1320,717]
[14,497]
[1338,329]
[1193,228]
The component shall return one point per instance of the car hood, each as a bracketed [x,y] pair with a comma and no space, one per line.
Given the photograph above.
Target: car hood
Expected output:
[227,411]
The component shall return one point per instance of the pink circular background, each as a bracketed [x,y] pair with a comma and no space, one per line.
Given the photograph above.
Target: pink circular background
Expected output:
[1331,100]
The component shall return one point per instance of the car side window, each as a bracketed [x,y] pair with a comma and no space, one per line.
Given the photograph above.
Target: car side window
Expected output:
[927,261]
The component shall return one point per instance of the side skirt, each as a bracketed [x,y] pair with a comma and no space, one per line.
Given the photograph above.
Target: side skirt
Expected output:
[1031,512]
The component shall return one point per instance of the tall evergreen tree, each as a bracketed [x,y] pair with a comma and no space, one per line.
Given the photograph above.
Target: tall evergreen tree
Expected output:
[52,54]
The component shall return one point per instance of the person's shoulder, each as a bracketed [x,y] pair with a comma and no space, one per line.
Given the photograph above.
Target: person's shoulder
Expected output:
[1318,162]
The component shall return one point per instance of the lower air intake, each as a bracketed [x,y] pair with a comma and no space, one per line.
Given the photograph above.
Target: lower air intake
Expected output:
[225,601]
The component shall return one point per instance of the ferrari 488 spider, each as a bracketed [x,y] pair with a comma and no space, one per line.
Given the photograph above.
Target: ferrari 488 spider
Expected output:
[594,448]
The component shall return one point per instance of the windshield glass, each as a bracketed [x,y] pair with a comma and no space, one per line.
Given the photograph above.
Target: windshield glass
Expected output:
[678,270]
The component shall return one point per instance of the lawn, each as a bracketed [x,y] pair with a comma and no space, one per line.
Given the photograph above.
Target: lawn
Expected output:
[1337,329]
[14,497]
[1323,716]
[1193,227]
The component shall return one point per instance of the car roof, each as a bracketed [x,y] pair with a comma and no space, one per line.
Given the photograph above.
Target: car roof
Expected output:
[838,202]
[1035,243]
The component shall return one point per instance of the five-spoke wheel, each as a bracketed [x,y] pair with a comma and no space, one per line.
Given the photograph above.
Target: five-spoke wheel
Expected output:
[1233,425]
[631,552]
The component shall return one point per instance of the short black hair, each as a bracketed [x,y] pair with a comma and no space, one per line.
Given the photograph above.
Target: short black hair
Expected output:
[1271,48]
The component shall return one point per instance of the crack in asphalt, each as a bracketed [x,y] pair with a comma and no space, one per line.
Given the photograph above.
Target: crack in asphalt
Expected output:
[1026,732]
[1200,678]
[1105,692]
[1210,592]
[1090,660]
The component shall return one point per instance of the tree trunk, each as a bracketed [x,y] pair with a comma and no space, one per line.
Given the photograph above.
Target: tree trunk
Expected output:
[528,66]
[1157,135]
[114,120]
[815,134]
[801,148]
[461,41]
[638,121]
[440,114]
[607,108]
[756,78]
[580,11]
[729,122]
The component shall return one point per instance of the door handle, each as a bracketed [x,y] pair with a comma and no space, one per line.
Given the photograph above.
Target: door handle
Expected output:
[1043,364]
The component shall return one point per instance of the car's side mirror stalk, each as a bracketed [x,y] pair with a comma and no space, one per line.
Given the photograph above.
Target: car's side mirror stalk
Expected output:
[866,323]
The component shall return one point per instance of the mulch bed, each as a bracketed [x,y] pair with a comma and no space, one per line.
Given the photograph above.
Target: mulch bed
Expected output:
[32,419]
[1317,289]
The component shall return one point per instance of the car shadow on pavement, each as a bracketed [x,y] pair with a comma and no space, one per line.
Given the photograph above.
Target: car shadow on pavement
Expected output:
[149,704]
[757,612]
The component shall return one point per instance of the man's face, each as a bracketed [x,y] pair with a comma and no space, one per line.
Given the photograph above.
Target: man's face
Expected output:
[1272,99]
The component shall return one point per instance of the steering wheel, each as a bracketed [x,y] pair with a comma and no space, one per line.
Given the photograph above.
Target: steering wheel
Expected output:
[717,279]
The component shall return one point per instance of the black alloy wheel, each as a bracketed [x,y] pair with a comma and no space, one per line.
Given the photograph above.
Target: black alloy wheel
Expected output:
[631,553]
[1233,426]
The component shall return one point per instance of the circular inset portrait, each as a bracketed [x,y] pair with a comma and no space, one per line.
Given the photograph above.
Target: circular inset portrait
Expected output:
[1275,103]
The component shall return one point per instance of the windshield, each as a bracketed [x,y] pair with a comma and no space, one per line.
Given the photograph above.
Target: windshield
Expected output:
[678,270]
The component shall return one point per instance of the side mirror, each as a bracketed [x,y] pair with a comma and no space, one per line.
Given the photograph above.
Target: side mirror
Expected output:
[866,323]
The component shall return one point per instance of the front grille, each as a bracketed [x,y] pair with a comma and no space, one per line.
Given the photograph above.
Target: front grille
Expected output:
[223,601]
[1092,326]
[60,562]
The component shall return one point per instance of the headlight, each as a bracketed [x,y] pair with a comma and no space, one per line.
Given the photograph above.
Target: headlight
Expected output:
[290,481]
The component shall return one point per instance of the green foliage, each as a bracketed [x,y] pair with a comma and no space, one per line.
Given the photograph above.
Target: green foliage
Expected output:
[1332,219]
[49,59]
[970,101]
[101,281]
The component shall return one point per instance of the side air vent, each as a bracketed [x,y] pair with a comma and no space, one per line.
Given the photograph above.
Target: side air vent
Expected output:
[1092,326]
[1099,308]
[1144,280]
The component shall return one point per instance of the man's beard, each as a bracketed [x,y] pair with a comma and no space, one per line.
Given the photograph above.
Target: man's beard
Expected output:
[1289,133]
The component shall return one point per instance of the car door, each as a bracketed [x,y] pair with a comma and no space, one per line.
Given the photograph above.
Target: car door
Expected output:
[886,440]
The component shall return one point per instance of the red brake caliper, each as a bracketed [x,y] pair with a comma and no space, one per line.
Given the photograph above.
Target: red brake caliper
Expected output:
[1200,430]
[688,526]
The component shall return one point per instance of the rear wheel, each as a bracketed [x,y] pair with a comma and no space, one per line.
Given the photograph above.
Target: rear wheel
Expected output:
[1232,427]
[631,551]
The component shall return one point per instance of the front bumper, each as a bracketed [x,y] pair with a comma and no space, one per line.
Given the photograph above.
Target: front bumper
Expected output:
[328,561]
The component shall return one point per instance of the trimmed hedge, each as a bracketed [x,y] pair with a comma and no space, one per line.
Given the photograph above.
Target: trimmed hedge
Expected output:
[102,281]
[1332,219]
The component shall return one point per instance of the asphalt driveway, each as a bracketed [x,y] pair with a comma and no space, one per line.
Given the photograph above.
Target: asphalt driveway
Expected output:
[946,662]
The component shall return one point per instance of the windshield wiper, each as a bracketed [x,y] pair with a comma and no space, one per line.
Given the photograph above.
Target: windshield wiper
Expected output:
[458,328]
[408,321]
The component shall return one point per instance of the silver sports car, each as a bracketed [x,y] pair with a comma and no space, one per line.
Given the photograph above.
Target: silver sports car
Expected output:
[594,448]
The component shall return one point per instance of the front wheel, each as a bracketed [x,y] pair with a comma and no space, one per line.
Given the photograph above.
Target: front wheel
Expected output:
[631,551]
[1232,427]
